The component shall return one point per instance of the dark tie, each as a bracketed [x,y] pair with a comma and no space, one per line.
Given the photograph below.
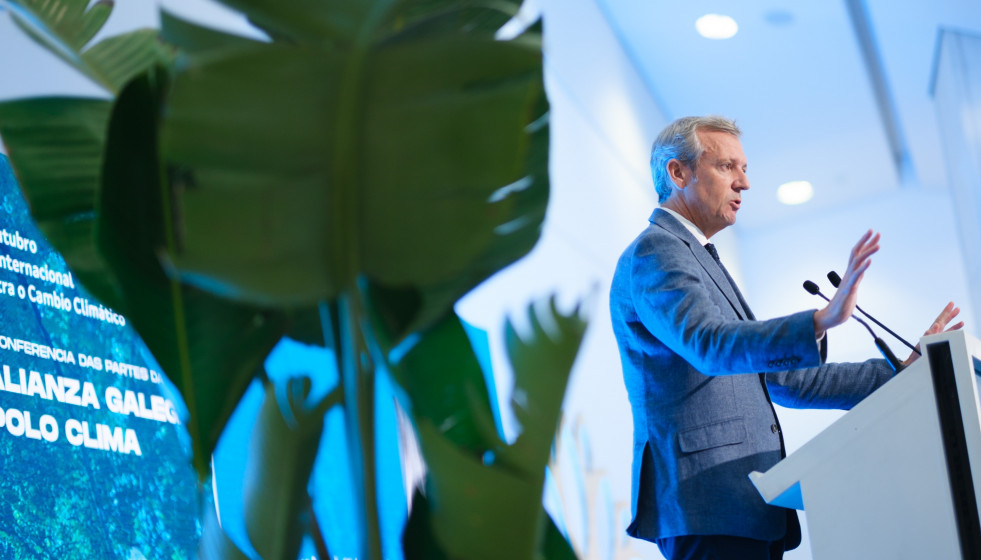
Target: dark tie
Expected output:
[749,314]
[715,255]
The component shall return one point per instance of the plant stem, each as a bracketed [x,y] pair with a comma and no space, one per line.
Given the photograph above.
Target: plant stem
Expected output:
[357,371]
[357,376]
[317,536]
[202,461]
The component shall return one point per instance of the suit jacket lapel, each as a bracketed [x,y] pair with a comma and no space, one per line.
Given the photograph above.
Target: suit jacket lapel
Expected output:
[670,223]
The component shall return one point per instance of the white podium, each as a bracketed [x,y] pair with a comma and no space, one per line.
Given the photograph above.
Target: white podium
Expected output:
[899,475]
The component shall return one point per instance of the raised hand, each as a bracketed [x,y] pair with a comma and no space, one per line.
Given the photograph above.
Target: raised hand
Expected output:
[842,305]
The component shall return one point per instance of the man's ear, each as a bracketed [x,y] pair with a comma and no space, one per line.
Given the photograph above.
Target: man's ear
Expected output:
[680,173]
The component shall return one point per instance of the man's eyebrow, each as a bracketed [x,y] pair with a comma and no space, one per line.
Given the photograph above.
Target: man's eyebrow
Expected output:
[733,160]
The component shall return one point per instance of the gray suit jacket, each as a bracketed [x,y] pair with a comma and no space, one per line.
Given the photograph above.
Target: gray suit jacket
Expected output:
[701,424]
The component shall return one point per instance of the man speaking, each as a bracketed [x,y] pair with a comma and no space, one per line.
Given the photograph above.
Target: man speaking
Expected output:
[701,370]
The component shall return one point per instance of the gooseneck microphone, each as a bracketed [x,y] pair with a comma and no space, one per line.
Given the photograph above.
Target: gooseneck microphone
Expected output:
[836,280]
[887,353]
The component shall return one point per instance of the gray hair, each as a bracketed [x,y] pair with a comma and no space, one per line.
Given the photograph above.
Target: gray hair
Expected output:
[679,141]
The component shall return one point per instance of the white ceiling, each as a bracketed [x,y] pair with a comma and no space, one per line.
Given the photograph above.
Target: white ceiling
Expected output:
[803,88]
[797,78]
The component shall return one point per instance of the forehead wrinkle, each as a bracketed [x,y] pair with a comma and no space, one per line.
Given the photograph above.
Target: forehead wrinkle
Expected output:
[714,148]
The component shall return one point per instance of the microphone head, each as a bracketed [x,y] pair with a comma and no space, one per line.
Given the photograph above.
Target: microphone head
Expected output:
[811,287]
[834,278]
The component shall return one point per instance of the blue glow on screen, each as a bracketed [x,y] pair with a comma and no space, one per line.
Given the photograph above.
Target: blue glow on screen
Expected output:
[93,457]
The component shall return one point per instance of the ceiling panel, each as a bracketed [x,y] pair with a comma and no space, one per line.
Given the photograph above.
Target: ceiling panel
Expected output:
[793,78]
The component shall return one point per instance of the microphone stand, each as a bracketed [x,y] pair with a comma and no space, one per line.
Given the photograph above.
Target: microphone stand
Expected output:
[894,362]
[835,280]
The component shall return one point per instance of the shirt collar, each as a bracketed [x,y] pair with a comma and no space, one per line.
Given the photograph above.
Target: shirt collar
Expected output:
[692,228]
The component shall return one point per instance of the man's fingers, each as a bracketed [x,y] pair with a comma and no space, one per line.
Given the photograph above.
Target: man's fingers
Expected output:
[950,311]
[865,237]
[948,314]
[854,276]
[859,260]
[861,247]
[867,246]
[957,327]
[870,249]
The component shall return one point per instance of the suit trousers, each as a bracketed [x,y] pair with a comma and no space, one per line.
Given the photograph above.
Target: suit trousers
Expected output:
[719,547]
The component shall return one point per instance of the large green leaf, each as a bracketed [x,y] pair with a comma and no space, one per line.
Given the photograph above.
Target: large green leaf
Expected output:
[65,27]
[444,383]
[309,21]
[418,161]
[340,24]
[478,511]
[420,18]
[555,546]
[541,361]
[116,60]
[194,40]
[420,543]
[210,347]
[55,145]
[483,496]
[418,540]
[281,455]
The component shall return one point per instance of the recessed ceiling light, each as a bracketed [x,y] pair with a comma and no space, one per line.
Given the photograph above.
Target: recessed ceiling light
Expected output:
[795,192]
[716,26]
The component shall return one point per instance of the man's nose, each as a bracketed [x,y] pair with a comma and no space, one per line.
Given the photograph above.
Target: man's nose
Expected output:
[742,181]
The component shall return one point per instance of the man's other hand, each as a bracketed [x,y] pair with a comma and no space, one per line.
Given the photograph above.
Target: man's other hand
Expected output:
[939,325]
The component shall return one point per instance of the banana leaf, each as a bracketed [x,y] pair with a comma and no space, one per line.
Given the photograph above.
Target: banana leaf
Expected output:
[65,27]
[482,495]
[55,145]
[281,457]
[415,160]
[192,333]
[419,541]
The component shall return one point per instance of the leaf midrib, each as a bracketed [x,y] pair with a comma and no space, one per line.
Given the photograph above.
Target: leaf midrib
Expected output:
[344,235]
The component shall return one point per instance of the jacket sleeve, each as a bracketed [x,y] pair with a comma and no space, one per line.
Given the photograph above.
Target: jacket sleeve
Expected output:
[680,305]
[838,385]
